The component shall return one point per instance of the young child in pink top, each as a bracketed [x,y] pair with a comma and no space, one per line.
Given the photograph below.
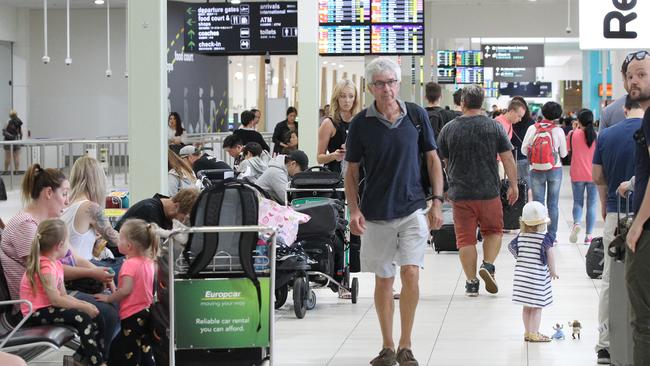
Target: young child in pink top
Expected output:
[42,285]
[139,243]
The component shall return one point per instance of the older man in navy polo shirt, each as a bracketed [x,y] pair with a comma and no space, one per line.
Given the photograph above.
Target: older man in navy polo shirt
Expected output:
[391,216]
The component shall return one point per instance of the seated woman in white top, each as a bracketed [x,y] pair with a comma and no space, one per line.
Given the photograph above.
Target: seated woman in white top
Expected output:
[85,214]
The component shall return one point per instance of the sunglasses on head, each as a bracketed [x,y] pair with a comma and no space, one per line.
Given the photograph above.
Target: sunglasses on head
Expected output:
[639,55]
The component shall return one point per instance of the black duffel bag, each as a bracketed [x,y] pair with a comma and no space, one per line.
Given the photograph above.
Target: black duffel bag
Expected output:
[324,217]
[318,178]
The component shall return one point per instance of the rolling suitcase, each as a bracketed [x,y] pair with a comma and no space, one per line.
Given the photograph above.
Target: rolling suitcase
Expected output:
[444,239]
[512,213]
[620,328]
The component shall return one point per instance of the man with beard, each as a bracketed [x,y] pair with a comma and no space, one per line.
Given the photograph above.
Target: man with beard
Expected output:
[637,259]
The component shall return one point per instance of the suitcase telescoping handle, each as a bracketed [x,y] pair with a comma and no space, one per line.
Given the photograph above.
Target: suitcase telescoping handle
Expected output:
[616,249]
[627,209]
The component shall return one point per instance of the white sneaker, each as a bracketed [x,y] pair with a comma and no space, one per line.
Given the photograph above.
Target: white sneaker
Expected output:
[575,230]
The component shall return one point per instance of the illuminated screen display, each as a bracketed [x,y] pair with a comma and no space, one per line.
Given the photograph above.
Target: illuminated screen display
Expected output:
[371,27]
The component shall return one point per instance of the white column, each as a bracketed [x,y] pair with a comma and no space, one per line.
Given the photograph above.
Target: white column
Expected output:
[308,73]
[147,98]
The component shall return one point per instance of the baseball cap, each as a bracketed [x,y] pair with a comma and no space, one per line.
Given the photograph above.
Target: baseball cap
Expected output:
[534,213]
[299,157]
[188,150]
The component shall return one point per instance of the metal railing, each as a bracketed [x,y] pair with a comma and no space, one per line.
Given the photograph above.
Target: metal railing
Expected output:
[112,152]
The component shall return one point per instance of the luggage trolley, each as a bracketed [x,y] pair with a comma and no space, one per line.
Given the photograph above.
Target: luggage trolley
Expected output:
[215,313]
[348,284]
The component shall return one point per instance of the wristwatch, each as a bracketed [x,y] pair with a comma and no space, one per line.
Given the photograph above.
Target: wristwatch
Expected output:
[433,197]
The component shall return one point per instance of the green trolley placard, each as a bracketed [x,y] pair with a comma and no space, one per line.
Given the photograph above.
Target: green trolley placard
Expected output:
[221,313]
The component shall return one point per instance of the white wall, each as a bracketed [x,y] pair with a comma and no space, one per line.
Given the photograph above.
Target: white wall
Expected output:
[77,100]
[523,19]
[8,23]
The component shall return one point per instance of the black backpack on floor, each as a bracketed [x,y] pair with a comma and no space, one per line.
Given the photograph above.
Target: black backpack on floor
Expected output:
[595,258]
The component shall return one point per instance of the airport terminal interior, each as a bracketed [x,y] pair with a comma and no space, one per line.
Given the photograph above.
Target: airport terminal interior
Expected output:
[177,97]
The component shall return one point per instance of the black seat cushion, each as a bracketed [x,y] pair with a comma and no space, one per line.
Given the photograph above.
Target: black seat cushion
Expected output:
[56,335]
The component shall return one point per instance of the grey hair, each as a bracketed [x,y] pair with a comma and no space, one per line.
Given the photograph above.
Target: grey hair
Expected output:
[472,97]
[382,64]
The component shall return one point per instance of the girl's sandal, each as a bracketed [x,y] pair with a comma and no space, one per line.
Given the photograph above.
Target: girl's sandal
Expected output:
[538,338]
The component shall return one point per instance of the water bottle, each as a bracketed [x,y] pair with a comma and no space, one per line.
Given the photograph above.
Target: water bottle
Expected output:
[261,254]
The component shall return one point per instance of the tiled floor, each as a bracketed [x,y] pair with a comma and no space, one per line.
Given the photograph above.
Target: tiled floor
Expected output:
[450,328]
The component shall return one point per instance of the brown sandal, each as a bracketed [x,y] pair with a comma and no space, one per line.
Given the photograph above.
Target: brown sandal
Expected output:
[538,338]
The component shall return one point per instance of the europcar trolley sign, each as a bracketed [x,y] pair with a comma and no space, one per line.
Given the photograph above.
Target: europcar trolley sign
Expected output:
[614,24]
[221,313]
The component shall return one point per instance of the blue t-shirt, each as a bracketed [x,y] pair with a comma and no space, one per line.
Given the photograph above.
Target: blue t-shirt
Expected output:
[615,151]
[390,158]
[642,170]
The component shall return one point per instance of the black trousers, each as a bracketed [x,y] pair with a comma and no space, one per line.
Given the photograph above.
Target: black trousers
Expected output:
[637,276]
[132,345]
[89,332]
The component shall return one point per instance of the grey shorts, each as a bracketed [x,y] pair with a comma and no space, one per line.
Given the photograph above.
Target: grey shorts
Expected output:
[400,242]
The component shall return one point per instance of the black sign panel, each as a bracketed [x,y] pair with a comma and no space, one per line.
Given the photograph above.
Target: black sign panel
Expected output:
[514,74]
[529,90]
[244,29]
[514,55]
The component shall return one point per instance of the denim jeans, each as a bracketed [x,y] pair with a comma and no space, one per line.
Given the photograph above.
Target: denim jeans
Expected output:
[637,276]
[579,200]
[551,181]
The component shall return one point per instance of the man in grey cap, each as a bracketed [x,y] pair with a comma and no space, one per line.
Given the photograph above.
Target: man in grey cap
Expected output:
[275,179]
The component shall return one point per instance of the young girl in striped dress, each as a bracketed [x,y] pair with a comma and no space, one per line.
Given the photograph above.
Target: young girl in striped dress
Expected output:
[535,268]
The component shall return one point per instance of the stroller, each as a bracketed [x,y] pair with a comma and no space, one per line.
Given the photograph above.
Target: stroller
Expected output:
[319,193]
[292,265]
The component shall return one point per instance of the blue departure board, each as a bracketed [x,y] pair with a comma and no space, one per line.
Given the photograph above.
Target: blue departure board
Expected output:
[371,27]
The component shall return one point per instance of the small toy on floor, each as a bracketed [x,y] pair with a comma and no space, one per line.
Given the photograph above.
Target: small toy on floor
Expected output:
[575,326]
[559,333]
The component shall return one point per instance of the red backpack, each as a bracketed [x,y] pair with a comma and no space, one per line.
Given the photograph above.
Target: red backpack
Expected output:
[541,152]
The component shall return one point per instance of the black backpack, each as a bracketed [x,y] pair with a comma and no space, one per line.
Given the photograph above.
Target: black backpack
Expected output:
[230,202]
[595,258]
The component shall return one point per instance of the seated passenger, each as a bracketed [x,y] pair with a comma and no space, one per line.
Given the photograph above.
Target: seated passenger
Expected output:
[247,131]
[200,160]
[160,209]
[275,179]
[254,165]
[42,285]
[234,146]
[180,174]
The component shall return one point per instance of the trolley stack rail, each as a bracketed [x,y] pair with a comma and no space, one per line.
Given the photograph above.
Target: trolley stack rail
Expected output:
[217,311]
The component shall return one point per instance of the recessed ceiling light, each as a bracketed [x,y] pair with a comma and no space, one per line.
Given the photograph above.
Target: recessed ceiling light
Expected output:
[235,1]
[333,63]
[99,2]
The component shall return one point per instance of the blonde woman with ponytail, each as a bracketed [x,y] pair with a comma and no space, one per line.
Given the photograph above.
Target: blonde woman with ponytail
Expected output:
[139,243]
[43,286]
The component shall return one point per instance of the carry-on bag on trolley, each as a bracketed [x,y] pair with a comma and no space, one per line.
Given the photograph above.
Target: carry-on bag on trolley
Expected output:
[325,182]
[620,326]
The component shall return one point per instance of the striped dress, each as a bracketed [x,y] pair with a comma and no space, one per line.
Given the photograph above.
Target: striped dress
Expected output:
[532,280]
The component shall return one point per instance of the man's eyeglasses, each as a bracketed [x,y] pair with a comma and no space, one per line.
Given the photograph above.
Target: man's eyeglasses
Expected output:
[380,84]
[639,56]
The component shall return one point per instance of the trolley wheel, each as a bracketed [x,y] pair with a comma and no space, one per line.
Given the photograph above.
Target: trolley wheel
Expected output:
[355,290]
[281,295]
[311,300]
[300,289]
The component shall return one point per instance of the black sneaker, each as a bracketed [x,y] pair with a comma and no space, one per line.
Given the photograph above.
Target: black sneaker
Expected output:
[487,274]
[471,288]
[386,357]
[603,357]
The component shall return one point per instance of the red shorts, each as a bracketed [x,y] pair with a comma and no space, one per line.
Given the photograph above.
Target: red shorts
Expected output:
[469,215]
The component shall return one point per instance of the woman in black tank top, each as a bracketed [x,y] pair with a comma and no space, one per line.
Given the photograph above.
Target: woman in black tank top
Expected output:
[334,129]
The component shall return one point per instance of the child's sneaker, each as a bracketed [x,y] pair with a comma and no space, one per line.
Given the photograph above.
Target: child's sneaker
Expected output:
[487,274]
[588,239]
[575,230]
[471,287]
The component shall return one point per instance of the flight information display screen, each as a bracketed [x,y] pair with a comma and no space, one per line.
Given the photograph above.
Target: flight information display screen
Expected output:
[242,29]
[387,27]
[347,39]
[460,66]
